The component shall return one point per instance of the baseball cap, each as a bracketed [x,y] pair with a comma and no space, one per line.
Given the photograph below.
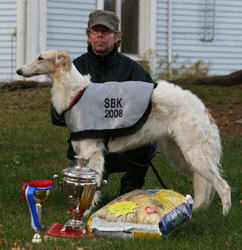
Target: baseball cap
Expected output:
[103,17]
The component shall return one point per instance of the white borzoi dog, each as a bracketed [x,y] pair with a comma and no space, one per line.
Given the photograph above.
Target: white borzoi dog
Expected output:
[178,120]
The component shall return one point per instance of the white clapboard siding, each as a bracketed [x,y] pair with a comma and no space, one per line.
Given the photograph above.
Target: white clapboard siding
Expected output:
[8,22]
[67,23]
[224,53]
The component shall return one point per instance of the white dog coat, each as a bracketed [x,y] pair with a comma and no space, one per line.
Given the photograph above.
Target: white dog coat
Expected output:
[107,110]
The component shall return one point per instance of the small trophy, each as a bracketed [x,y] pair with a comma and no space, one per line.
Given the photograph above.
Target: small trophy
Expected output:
[78,186]
[36,192]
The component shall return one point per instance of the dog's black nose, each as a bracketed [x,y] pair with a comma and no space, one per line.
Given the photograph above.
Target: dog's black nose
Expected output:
[19,72]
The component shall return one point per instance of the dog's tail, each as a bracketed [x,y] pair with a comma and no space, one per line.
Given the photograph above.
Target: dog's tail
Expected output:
[203,192]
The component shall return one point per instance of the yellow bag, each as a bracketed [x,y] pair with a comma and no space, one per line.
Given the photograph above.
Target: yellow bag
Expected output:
[141,213]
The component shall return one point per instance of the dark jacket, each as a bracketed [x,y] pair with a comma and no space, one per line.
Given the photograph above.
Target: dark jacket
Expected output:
[111,67]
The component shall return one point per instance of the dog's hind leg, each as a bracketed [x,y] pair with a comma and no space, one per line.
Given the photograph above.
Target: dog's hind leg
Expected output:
[175,155]
[203,191]
[206,177]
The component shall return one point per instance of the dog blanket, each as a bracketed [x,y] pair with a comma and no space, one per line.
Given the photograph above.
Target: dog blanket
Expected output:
[107,110]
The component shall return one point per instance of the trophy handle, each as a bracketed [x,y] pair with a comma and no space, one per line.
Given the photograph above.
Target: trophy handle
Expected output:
[57,179]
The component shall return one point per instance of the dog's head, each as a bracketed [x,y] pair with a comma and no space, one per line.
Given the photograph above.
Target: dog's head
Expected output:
[47,63]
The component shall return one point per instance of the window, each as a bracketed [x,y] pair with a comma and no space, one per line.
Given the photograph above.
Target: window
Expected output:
[137,22]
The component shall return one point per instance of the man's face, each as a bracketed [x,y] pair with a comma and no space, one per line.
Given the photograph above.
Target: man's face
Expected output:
[102,39]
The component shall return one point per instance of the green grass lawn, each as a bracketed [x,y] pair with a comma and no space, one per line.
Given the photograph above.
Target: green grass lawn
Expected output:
[31,148]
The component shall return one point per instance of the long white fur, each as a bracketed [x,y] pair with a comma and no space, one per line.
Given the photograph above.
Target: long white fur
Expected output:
[178,120]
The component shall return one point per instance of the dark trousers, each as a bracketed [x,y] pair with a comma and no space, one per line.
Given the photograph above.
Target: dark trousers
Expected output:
[134,163]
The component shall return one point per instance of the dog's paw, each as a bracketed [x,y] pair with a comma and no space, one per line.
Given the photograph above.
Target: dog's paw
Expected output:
[87,212]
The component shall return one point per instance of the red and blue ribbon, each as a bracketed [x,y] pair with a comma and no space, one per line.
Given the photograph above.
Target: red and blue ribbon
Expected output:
[28,191]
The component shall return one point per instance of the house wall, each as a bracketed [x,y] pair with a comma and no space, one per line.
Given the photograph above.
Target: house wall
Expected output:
[223,53]
[8,23]
[67,23]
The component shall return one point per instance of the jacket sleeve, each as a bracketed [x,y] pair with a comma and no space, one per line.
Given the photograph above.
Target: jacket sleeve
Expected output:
[56,119]
[139,74]
[148,78]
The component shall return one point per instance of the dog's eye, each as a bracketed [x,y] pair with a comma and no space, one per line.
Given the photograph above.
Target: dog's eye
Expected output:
[40,58]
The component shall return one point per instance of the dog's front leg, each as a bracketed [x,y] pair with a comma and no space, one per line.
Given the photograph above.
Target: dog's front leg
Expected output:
[92,149]
[96,163]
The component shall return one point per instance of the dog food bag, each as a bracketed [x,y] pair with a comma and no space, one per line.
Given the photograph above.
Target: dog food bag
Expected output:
[141,214]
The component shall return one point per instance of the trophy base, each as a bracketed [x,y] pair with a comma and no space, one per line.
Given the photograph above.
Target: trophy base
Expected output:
[55,231]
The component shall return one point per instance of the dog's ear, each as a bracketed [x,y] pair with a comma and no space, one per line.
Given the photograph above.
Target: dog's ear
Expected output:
[64,60]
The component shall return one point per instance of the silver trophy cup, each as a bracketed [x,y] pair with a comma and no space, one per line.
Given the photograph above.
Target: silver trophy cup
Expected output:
[78,186]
